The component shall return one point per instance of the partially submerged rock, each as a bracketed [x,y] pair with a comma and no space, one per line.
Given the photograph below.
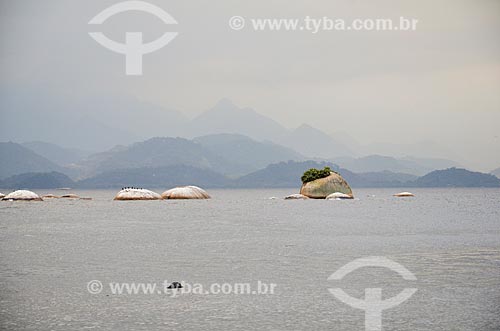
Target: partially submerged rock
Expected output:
[404,194]
[50,196]
[137,194]
[2,195]
[296,197]
[70,196]
[22,195]
[339,196]
[323,187]
[65,196]
[185,192]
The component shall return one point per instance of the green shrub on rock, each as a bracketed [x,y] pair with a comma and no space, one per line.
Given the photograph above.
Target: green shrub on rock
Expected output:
[313,174]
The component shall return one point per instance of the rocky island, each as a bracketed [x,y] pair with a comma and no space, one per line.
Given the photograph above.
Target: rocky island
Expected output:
[319,184]
[185,192]
[22,195]
[132,193]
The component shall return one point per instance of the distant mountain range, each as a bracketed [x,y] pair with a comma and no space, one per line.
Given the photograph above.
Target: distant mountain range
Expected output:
[232,156]
[421,149]
[37,180]
[280,175]
[287,174]
[225,117]
[16,159]
[121,120]
[246,154]
[314,143]
[283,174]
[455,177]
[57,154]
[378,179]
[227,154]
[408,165]
[155,152]
[33,114]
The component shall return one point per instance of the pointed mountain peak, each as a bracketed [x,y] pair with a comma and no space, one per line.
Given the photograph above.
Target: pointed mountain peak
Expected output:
[305,126]
[309,129]
[225,103]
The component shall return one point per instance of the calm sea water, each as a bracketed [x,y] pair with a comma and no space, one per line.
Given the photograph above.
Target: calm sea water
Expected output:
[448,238]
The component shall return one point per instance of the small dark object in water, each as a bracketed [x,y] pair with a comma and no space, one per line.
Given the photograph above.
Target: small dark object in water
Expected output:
[175,285]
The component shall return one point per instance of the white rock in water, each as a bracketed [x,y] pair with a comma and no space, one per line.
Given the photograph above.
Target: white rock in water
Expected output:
[22,195]
[404,194]
[185,192]
[137,194]
[338,195]
[1,195]
[296,197]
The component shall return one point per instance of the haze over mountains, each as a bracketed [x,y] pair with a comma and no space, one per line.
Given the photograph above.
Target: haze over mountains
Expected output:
[409,165]
[36,115]
[60,155]
[431,93]
[43,117]
[218,160]
[16,159]
[225,117]
[244,153]
[116,134]
[228,154]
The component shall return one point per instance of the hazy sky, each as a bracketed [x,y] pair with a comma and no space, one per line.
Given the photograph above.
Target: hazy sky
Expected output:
[440,82]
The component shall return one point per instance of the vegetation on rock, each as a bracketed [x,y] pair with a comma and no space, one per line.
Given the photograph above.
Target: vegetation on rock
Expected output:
[313,174]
